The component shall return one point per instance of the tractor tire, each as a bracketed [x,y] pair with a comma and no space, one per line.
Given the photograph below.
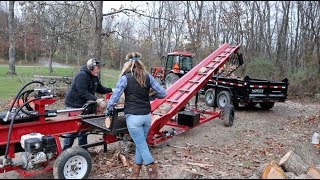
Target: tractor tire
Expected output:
[170,79]
[224,99]
[209,97]
[266,105]
[72,163]
[228,115]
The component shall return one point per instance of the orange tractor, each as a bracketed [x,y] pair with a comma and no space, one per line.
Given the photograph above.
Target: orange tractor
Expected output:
[177,64]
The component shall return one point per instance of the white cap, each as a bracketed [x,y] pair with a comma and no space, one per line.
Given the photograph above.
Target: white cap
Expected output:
[93,62]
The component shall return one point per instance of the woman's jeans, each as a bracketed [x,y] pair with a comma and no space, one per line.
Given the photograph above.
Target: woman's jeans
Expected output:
[68,141]
[138,126]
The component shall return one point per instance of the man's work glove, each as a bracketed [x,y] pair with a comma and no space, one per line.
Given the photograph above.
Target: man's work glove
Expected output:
[101,103]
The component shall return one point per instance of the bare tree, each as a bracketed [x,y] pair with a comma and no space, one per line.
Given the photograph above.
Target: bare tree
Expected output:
[96,40]
[282,39]
[12,48]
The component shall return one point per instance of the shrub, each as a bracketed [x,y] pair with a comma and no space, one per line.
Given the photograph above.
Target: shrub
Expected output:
[260,69]
[305,82]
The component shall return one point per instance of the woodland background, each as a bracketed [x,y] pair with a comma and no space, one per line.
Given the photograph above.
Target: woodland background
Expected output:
[279,39]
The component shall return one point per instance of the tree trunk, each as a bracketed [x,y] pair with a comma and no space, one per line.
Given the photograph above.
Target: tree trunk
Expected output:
[12,45]
[97,43]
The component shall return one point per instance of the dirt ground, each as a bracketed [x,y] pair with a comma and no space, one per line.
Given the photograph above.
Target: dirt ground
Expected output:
[256,137]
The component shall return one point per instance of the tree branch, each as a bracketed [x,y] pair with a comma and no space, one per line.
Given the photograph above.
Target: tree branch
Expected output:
[136,12]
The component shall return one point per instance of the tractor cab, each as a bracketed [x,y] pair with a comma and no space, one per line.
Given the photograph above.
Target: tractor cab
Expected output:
[177,64]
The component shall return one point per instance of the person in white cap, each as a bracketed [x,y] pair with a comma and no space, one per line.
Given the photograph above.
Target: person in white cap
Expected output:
[83,88]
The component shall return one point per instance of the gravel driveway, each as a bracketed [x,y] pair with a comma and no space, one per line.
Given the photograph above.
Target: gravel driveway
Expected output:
[257,137]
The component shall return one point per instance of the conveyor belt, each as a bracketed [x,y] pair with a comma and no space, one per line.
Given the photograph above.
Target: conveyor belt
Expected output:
[188,85]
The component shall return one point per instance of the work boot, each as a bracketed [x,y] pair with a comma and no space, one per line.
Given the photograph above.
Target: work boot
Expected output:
[152,171]
[135,171]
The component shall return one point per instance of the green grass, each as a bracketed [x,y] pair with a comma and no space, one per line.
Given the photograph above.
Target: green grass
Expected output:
[11,85]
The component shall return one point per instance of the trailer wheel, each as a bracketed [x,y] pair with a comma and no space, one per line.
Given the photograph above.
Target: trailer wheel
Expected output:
[224,99]
[72,163]
[266,105]
[209,97]
[228,115]
[170,79]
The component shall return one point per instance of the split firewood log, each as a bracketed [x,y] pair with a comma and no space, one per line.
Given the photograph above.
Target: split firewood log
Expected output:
[108,121]
[199,164]
[124,160]
[163,108]
[308,153]
[313,172]
[202,70]
[273,171]
[291,162]
[183,173]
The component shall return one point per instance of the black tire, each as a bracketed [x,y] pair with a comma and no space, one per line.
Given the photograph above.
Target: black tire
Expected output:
[228,115]
[76,158]
[236,105]
[266,105]
[209,97]
[224,99]
[170,79]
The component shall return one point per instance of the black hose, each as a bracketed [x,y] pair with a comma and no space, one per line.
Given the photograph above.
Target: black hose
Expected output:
[11,123]
[26,95]
[18,94]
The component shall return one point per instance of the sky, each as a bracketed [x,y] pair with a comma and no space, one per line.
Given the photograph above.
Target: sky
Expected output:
[107,5]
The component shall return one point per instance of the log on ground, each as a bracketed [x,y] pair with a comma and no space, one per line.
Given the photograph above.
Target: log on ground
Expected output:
[308,153]
[291,162]
[273,171]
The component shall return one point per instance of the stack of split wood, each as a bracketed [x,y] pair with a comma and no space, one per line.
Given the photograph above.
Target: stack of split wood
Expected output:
[303,162]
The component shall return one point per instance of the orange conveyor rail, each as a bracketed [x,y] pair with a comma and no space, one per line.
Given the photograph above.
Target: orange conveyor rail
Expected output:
[187,86]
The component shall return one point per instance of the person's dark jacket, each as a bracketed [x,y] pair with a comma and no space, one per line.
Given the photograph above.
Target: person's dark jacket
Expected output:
[83,89]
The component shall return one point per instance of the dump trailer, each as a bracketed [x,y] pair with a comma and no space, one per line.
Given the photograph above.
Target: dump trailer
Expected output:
[246,92]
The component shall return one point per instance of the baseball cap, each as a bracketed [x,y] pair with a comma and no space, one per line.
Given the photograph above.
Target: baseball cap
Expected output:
[94,62]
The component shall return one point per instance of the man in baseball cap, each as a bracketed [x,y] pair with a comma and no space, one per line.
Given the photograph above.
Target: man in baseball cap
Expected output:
[83,89]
